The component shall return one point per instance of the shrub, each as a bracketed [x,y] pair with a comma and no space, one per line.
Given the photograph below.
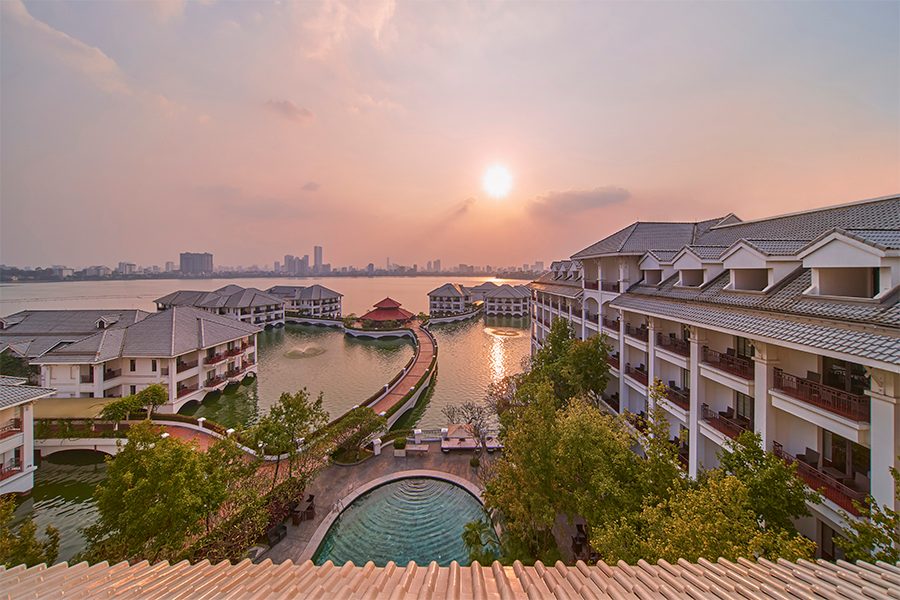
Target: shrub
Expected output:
[474,462]
[400,443]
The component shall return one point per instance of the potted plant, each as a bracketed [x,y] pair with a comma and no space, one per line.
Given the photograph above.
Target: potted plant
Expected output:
[400,447]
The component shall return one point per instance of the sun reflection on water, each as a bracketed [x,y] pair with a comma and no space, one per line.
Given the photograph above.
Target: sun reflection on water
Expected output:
[498,352]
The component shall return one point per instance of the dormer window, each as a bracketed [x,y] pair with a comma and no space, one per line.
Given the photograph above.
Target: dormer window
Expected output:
[652,276]
[691,277]
[749,280]
[848,282]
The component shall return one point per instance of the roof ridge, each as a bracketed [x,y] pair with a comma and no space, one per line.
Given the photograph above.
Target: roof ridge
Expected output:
[811,211]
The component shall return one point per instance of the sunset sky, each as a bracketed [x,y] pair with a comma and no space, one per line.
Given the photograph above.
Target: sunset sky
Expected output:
[135,130]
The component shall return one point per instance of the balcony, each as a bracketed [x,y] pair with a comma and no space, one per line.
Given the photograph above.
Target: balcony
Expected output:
[87,378]
[638,333]
[728,362]
[609,286]
[828,485]
[214,381]
[725,421]
[186,390]
[111,374]
[611,323]
[214,359]
[638,375]
[591,285]
[10,428]
[679,397]
[181,367]
[834,400]
[612,401]
[10,469]
[674,344]
[233,352]
[612,360]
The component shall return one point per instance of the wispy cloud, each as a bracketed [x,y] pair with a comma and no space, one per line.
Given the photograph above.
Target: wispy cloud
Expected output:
[88,60]
[288,110]
[572,202]
[365,103]
[310,186]
[336,21]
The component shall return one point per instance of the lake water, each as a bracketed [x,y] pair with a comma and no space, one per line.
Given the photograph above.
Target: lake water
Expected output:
[471,355]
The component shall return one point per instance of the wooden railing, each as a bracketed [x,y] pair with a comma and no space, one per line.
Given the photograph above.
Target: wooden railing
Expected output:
[827,485]
[591,285]
[609,286]
[680,397]
[611,324]
[639,376]
[729,426]
[612,360]
[638,333]
[111,374]
[214,359]
[674,344]
[10,469]
[839,402]
[184,366]
[736,365]
[188,389]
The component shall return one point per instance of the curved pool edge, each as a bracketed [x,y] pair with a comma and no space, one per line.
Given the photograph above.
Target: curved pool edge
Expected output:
[322,530]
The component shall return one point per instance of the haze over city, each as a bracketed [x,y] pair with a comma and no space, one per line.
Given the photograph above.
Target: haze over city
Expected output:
[377,128]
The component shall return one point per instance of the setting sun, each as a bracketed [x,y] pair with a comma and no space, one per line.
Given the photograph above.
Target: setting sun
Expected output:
[497,181]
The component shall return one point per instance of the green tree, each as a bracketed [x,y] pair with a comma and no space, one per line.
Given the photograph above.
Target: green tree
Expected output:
[300,416]
[585,367]
[272,438]
[152,396]
[876,536]
[121,409]
[660,470]
[776,494]
[226,469]
[22,547]
[480,541]
[358,427]
[152,500]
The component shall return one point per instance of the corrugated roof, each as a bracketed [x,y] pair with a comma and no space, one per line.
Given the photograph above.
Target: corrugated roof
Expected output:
[721,579]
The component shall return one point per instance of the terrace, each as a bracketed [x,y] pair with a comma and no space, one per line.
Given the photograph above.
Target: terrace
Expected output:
[728,362]
[674,344]
[639,374]
[679,397]
[638,333]
[834,400]
[826,480]
[725,421]
[10,428]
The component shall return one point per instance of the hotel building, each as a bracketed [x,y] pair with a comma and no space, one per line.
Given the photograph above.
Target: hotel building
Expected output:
[248,305]
[310,300]
[508,300]
[190,351]
[17,434]
[450,299]
[788,326]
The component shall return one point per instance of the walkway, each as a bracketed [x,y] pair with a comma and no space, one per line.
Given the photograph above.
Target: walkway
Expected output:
[336,482]
[427,350]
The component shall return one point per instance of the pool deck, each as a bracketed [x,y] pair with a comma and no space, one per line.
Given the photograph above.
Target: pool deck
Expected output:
[338,482]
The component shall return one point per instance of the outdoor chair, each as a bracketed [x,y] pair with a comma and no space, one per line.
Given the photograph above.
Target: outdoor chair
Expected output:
[810,457]
[276,534]
[672,384]
[728,414]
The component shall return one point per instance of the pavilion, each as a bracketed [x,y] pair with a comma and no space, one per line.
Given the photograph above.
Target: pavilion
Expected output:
[387,310]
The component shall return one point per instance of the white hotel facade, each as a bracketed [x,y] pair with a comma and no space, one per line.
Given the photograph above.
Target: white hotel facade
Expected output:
[788,326]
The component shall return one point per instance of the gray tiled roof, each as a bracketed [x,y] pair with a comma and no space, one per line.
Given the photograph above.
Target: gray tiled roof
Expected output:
[448,289]
[168,333]
[778,247]
[640,237]
[887,239]
[879,345]
[31,333]
[230,296]
[7,380]
[664,255]
[15,394]
[508,291]
[707,252]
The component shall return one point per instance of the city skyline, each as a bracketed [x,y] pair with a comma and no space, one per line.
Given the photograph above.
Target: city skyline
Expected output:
[372,126]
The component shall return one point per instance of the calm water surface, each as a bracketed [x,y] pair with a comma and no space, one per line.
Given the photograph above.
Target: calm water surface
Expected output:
[471,355]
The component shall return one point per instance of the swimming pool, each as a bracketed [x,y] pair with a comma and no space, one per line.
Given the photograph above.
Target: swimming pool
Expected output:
[416,519]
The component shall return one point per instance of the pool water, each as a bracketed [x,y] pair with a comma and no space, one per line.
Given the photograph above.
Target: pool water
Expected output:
[415,519]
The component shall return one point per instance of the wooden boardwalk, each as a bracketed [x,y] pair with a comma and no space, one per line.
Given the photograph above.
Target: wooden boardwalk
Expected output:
[427,350]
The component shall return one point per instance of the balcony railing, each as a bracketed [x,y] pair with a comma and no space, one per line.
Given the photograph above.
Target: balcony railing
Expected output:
[828,486]
[612,360]
[185,390]
[591,285]
[736,365]
[682,398]
[611,324]
[111,374]
[839,402]
[637,375]
[10,469]
[609,286]
[674,344]
[214,381]
[11,428]
[722,422]
[612,401]
[87,378]
[214,359]
[639,333]
[233,352]
[180,367]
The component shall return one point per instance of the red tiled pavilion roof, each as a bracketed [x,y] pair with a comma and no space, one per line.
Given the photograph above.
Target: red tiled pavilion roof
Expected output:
[387,303]
[387,310]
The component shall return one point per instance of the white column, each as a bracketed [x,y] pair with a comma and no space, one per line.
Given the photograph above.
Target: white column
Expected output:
[623,387]
[697,399]
[651,360]
[883,434]
[28,435]
[765,360]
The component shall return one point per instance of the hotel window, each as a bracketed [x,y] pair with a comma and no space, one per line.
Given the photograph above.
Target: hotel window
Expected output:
[133,389]
[132,366]
[743,347]
[153,365]
[685,379]
[743,406]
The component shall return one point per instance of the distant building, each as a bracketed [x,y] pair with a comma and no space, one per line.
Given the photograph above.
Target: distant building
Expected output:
[248,305]
[508,300]
[17,434]
[311,300]
[126,268]
[437,265]
[317,259]
[190,351]
[170,266]
[97,271]
[196,263]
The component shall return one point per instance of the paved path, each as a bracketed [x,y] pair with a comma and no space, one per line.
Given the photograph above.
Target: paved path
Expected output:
[336,482]
[426,352]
